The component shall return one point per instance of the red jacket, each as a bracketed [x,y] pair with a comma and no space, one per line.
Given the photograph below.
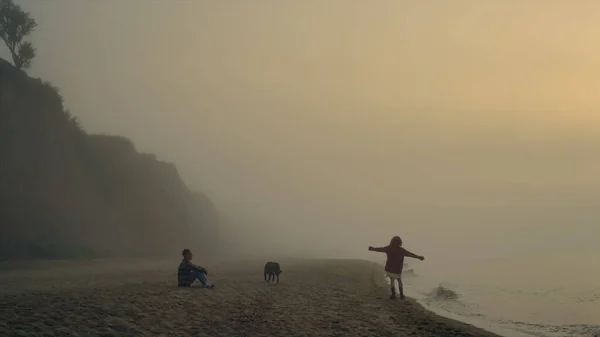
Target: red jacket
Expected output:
[395,258]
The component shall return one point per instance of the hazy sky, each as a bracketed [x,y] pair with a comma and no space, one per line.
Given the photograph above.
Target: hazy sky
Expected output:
[470,123]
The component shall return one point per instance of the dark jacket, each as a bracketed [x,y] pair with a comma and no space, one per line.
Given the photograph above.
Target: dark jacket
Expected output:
[185,272]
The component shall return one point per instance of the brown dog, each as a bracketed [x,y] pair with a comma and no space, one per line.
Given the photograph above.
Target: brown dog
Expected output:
[273,270]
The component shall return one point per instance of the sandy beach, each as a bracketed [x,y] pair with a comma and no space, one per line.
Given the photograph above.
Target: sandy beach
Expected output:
[140,298]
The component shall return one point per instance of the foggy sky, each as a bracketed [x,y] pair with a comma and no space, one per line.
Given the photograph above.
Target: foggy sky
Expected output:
[342,123]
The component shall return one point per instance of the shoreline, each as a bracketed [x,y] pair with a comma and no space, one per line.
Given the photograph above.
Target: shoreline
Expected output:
[481,324]
[315,298]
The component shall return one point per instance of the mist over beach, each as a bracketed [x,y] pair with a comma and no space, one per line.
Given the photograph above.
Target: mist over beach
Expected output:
[276,130]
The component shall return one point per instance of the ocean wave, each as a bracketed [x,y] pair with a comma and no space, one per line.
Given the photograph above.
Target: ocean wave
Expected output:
[442,293]
[409,273]
[543,330]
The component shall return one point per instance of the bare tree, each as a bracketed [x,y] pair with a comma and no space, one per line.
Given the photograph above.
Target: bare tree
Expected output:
[15,24]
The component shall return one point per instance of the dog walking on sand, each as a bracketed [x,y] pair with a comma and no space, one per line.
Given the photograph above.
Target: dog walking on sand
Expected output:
[273,270]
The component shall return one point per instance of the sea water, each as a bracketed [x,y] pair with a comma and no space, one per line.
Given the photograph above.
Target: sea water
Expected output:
[544,295]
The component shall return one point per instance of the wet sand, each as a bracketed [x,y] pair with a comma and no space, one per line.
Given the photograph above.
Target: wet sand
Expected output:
[140,298]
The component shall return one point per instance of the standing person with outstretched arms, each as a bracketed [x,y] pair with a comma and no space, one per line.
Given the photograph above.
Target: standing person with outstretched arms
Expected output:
[395,261]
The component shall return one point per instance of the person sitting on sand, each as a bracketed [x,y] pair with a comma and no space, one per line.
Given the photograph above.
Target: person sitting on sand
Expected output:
[395,261]
[189,272]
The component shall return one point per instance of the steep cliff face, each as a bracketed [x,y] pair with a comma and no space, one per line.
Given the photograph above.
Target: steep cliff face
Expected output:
[64,193]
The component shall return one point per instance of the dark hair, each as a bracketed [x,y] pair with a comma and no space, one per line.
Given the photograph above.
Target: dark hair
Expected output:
[396,241]
[185,251]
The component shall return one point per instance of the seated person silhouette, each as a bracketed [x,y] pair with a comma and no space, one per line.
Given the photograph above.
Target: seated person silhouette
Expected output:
[188,272]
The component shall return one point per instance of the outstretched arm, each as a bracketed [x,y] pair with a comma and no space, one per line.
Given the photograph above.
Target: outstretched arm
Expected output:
[377,249]
[413,255]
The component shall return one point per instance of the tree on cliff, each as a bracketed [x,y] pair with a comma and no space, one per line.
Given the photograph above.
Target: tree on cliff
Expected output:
[15,24]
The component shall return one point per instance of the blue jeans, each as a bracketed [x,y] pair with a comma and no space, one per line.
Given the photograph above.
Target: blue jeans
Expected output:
[200,276]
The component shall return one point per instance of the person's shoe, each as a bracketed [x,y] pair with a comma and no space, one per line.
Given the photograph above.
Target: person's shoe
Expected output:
[393,297]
